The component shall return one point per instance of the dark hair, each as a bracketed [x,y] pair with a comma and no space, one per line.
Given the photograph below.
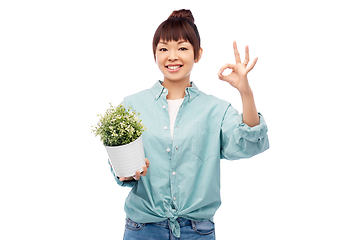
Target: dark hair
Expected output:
[179,26]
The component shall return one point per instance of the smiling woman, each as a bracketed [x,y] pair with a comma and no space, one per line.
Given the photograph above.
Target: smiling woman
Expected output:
[176,60]
[188,132]
[176,48]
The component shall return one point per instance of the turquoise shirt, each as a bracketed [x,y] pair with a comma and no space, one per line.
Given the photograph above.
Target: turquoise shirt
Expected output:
[183,179]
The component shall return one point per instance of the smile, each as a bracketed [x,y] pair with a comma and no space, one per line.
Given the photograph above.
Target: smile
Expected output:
[174,68]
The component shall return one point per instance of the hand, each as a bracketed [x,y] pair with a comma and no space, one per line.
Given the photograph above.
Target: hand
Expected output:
[137,174]
[238,77]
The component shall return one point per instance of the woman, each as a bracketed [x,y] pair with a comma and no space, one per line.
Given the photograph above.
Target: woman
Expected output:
[188,132]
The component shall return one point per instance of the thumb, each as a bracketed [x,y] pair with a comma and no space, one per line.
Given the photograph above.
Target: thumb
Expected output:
[222,69]
[225,78]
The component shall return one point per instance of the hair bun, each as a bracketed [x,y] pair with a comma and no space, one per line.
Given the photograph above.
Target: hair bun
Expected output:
[183,13]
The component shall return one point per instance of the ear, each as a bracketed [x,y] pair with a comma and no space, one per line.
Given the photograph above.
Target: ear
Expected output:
[200,54]
[155,58]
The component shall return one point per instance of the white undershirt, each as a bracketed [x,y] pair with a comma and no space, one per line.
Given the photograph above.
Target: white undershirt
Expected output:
[174,106]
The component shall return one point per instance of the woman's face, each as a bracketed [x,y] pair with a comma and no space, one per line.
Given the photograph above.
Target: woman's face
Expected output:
[175,59]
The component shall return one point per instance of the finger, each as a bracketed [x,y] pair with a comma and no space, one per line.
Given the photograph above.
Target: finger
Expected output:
[246,55]
[144,172]
[137,175]
[252,65]
[125,178]
[236,52]
[225,78]
[228,65]
[147,162]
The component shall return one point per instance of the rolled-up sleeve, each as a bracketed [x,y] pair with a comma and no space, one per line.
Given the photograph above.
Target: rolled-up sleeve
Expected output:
[238,140]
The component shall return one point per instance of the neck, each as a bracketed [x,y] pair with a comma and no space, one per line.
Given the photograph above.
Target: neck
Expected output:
[176,88]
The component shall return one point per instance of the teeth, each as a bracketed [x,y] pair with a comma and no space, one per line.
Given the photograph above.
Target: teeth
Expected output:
[173,67]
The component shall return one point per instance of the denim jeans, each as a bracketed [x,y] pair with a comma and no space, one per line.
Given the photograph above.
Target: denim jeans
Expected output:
[189,230]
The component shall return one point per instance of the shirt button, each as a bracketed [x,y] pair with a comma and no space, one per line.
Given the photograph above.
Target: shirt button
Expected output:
[176,148]
[168,150]
[164,106]
[174,198]
[157,96]
[165,127]
[173,173]
[164,90]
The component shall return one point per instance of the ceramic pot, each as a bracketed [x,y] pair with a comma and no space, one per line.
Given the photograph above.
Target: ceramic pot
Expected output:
[127,159]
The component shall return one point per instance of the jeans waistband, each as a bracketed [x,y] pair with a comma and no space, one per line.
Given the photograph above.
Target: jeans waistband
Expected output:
[182,222]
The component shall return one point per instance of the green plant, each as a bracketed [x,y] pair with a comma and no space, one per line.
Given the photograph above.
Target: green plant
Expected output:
[118,126]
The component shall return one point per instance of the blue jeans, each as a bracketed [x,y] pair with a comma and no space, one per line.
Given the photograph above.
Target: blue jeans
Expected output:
[189,230]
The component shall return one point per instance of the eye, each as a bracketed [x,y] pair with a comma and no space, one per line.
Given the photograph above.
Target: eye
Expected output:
[162,49]
[182,49]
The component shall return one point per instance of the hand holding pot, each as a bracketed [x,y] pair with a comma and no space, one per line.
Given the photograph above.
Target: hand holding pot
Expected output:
[138,174]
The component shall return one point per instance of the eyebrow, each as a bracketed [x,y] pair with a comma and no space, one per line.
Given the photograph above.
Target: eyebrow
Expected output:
[177,42]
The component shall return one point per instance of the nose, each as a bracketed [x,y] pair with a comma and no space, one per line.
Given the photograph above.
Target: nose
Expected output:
[172,56]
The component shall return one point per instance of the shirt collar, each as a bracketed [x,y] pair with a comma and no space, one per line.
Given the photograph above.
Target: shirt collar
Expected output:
[158,89]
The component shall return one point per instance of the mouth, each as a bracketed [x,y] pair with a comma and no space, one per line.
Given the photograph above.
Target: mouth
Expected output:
[174,68]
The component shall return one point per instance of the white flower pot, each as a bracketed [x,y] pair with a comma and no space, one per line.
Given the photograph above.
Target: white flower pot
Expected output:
[127,159]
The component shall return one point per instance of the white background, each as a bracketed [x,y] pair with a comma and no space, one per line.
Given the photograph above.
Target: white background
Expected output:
[62,62]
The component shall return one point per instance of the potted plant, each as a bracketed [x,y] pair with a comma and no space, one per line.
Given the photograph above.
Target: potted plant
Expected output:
[120,130]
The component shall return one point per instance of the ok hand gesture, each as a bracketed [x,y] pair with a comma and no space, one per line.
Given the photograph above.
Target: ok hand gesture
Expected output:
[238,77]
